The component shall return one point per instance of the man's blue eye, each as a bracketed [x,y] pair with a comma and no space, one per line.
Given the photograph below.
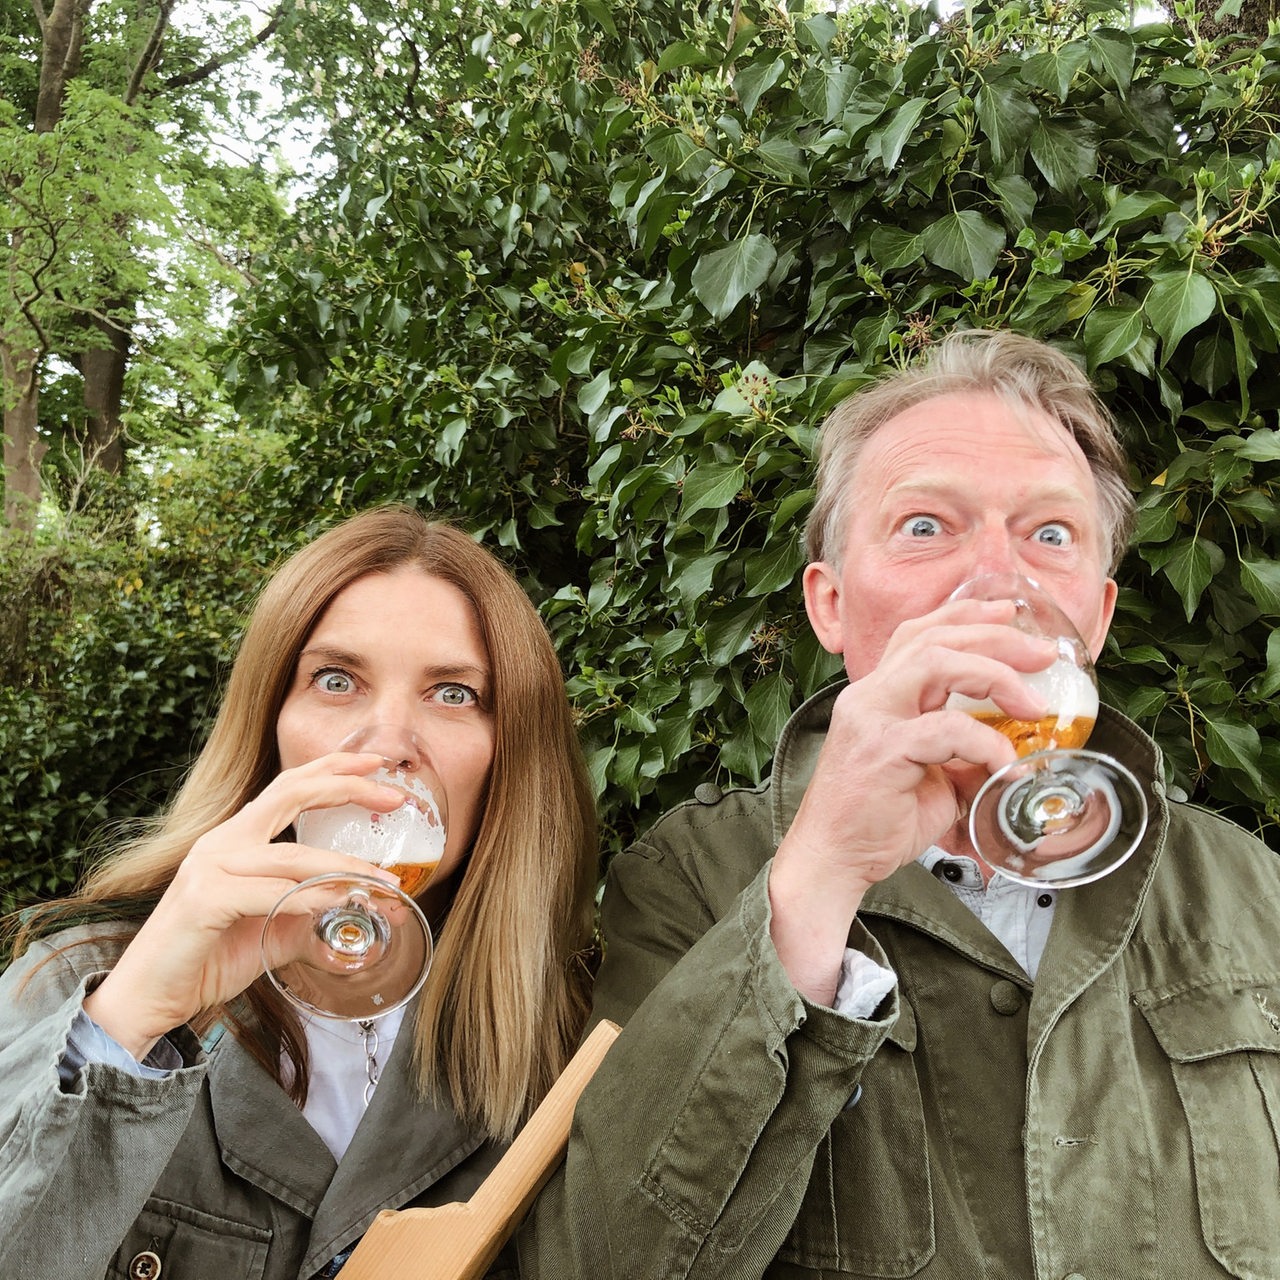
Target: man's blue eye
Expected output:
[922,527]
[1053,535]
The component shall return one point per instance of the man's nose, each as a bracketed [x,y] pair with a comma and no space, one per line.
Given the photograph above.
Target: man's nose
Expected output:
[995,555]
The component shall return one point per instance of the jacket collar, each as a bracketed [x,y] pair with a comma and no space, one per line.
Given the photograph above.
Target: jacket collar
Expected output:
[1092,923]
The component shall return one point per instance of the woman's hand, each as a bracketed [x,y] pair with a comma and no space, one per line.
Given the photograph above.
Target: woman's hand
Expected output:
[200,945]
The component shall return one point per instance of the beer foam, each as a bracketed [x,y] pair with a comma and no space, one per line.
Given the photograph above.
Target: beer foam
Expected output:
[413,833]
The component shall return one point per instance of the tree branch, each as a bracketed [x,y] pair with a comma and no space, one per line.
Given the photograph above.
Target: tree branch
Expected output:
[150,52]
[203,72]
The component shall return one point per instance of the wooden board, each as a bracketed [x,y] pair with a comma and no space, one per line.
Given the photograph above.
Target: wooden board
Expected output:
[459,1241]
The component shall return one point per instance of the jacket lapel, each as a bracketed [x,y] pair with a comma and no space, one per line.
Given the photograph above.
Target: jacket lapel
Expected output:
[401,1147]
[262,1135]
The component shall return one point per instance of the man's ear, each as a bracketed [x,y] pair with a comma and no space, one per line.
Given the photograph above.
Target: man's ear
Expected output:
[1106,611]
[822,603]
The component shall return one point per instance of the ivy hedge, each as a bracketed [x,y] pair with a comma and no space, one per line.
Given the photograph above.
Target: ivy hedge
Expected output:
[589,274]
[595,291]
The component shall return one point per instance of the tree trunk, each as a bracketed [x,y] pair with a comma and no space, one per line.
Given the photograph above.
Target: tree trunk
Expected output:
[23,448]
[103,369]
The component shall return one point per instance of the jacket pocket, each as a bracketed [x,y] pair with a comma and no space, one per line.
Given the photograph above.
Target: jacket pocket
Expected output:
[172,1240]
[1223,1044]
[868,1209]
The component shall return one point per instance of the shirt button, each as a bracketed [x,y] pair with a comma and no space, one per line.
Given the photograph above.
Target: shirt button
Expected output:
[1046,900]
[1006,999]
[949,871]
[145,1266]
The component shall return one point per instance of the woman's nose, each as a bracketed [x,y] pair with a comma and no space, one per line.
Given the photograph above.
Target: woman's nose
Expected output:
[395,743]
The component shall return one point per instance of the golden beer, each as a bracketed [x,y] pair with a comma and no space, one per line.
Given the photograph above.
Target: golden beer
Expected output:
[414,876]
[1051,733]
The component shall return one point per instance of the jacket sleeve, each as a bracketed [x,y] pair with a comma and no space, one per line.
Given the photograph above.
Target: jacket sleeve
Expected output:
[692,1146]
[77,1160]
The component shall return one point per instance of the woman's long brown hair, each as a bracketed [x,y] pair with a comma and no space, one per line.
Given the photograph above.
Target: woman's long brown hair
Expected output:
[508,990]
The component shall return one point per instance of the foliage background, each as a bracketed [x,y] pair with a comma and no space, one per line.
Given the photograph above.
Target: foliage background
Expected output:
[587,275]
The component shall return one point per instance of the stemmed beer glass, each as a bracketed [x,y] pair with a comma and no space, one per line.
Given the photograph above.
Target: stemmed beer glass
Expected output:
[1059,815]
[353,947]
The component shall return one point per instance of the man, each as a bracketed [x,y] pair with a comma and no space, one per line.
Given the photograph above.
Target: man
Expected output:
[848,1050]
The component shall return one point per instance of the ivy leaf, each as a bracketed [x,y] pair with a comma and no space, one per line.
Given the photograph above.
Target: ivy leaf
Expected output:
[1115,54]
[1270,685]
[965,243]
[730,629]
[1176,303]
[755,79]
[768,704]
[1065,154]
[894,136]
[1234,746]
[1111,332]
[1190,569]
[710,486]
[724,277]
[1261,579]
[1263,445]
[1007,119]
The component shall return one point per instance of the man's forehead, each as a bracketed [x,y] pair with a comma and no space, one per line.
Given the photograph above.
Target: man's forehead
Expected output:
[918,441]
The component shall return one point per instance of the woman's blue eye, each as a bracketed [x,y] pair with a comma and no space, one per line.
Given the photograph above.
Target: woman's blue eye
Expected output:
[1053,535]
[333,682]
[922,527]
[456,695]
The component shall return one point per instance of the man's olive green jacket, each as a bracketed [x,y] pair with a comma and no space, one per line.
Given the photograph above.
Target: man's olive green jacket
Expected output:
[1119,1119]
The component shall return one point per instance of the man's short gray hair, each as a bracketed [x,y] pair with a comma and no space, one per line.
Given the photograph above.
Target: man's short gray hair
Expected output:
[1022,371]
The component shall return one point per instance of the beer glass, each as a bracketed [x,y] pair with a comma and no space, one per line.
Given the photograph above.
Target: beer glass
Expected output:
[353,947]
[1059,815]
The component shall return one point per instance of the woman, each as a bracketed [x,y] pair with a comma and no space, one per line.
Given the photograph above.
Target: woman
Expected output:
[163,1110]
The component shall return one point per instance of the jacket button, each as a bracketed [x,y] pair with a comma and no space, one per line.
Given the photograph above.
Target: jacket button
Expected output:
[1006,999]
[1075,1275]
[707,793]
[145,1266]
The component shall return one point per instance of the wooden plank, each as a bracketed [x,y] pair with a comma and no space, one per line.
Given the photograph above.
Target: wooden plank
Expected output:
[460,1241]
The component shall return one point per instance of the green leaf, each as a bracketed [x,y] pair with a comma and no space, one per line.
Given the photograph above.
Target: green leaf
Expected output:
[1065,154]
[1261,579]
[1007,118]
[1270,685]
[731,627]
[1110,332]
[1176,303]
[773,568]
[965,243]
[1190,568]
[724,277]
[768,704]
[1132,208]
[756,79]
[892,247]
[894,136]
[592,395]
[1114,53]
[1234,746]
[710,486]
[685,54]
[1262,445]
